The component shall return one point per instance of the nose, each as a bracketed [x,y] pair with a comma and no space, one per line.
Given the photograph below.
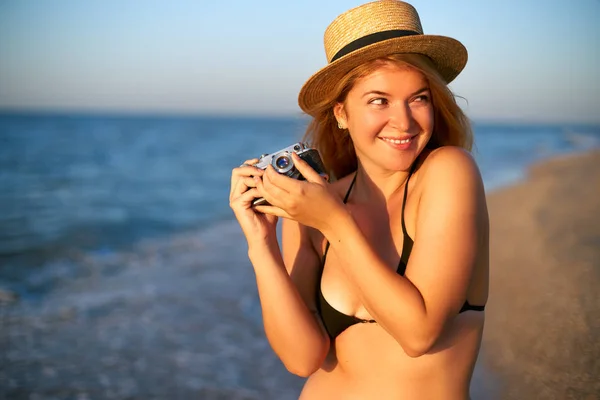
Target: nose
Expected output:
[401,117]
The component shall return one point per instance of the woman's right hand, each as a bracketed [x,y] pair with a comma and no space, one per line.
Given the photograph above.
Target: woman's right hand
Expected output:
[257,227]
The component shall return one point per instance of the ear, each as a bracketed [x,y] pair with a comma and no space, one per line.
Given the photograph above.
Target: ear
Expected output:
[340,115]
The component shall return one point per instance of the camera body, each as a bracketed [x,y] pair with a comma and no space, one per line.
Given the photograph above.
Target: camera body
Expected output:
[283,163]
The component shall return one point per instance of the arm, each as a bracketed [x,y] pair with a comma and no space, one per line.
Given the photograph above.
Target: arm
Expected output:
[286,286]
[293,332]
[450,223]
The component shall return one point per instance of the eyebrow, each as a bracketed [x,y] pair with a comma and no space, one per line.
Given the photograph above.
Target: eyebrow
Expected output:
[380,93]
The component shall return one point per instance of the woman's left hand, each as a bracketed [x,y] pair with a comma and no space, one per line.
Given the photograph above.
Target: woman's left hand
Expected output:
[311,202]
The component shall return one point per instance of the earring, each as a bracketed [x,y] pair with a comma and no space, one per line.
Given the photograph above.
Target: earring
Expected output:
[340,125]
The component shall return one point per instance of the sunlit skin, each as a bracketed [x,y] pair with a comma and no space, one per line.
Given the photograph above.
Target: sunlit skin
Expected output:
[391,103]
[420,347]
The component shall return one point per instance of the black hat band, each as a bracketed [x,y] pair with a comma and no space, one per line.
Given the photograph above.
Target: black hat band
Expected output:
[371,39]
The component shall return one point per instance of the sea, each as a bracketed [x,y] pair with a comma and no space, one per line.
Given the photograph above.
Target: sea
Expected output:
[123,274]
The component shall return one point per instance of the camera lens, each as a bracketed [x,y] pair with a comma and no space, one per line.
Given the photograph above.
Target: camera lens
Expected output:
[282,162]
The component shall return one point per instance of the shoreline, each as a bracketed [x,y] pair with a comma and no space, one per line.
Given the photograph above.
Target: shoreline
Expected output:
[542,322]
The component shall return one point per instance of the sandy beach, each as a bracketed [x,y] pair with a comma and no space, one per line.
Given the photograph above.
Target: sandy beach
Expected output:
[542,333]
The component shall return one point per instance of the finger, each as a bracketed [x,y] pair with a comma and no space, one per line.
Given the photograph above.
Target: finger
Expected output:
[271,210]
[249,181]
[251,161]
[246,170]
[271,182]
[273,194]
[245,198]
[239,173]
[273,178]
[306,170]
[243,171]
[245,182]
[241,186]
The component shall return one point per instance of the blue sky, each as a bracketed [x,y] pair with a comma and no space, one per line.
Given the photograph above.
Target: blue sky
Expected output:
[529,60]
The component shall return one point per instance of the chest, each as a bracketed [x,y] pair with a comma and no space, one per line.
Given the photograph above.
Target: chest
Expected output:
[382,229]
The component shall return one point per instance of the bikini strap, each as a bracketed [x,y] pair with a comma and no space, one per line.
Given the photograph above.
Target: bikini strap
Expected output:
[412,169]
[350,188]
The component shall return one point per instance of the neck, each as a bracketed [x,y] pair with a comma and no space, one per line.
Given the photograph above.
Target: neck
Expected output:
[378,186]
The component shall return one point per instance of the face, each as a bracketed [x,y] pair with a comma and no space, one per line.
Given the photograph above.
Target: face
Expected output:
[389,116]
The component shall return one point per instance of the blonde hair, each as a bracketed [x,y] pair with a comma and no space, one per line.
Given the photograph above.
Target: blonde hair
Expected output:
[451,125]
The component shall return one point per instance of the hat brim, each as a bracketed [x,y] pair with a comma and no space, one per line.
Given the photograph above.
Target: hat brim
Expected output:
[448,55]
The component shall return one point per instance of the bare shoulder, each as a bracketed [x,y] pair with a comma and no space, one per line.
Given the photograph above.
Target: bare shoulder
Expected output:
[451,231]
[450,157]
[450,165]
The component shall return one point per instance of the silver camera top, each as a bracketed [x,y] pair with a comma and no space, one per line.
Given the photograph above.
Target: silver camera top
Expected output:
[283,163]
[281,160]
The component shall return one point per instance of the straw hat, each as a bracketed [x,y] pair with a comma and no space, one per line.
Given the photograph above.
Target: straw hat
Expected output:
[375,30]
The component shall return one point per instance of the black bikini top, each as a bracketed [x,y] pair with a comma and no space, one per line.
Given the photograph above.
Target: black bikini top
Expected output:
[336,322]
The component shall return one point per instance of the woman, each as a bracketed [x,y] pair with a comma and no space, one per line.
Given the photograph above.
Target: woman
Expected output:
[379,288]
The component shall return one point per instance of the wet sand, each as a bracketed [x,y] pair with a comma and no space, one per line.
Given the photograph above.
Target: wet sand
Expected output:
[542,333]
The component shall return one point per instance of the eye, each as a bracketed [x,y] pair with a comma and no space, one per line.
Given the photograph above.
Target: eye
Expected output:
[422,98]
[379,101]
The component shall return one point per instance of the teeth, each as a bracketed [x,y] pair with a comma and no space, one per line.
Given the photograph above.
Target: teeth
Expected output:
[397,141]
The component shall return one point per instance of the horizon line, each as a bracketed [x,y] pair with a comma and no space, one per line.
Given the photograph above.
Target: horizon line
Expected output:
[65,112]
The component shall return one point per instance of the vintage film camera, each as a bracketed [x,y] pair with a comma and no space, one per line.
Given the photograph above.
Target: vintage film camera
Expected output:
[283,163]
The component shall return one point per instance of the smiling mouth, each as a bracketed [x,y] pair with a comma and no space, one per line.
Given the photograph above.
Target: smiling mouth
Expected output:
[398,141]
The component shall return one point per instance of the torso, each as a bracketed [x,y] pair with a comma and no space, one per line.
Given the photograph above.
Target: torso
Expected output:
[364,360]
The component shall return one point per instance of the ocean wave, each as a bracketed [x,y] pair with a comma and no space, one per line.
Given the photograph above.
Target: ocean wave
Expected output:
[174,316]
